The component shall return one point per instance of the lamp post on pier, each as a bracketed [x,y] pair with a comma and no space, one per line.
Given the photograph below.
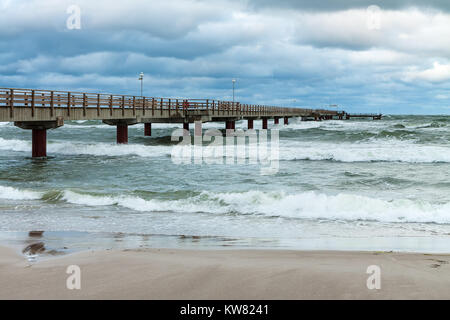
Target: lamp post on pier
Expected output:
[141,78]
[233,81]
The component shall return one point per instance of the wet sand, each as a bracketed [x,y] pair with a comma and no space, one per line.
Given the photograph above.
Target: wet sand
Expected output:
[226,274]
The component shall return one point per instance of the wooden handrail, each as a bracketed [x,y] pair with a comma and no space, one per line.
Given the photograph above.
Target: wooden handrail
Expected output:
[14,97]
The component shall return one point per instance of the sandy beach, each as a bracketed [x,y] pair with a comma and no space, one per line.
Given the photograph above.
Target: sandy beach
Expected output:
[226,274]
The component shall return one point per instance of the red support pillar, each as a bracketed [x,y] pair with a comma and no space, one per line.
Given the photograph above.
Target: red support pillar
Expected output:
[147,129]
[276,120]
[186,127]
[286,121]
[39,143]
[264,123]
[122,133]
[250,124]
[228,125]
[233,125]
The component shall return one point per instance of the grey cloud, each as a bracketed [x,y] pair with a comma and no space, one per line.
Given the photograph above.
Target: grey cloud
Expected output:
[333,5]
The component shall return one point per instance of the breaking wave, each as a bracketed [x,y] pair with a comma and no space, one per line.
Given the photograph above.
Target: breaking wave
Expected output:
[10,193]
[303,205]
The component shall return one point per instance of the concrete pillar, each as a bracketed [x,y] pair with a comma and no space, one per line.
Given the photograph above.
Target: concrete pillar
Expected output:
[198,128]
[122,133]
[250,124]
[39,142]
[264,123]
[286,121]
[186,128]
[39,134]
[147,129]
[276,120]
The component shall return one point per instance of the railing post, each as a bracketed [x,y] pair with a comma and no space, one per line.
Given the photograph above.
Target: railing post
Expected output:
[161,106]
[134,105]
[11,104]
[98,104]
[169,107]
[84,104]
[68,102]
[207,102]
[143,106]
[153,106]
[176,106]
[111,105]
[51,104]
[123,105]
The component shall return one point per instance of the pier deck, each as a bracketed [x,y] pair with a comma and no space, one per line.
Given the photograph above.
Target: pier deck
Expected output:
[40,110]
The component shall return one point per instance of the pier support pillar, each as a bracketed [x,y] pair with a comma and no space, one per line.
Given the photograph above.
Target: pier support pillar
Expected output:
[122,133]
[250,124]
[121,128]
[264,123]
[39,134]
[148,129]
[198,129]
[276,120]
[233,125]
[286,121]
[39,144]
[186,129]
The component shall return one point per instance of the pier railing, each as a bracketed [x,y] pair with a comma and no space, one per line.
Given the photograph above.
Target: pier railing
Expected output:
[15,97]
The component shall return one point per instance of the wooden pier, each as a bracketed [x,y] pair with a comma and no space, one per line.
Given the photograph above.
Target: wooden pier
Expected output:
[40,110]
[374,116]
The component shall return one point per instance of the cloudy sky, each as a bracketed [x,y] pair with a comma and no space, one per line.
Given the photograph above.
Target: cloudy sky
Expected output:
[389,56]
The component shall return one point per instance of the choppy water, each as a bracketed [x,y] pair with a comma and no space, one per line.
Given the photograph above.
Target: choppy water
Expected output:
[367,185]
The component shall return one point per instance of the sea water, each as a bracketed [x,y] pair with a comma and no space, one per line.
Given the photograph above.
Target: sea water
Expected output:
[340,185]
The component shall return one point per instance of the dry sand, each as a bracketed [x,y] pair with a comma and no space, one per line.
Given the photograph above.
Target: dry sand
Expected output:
[226,274]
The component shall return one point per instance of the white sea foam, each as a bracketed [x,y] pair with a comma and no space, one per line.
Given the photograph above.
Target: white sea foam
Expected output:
[10,193]
[15,145]
[193,204]
[375,150]
[390,151]
[305,205]
[83,148]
